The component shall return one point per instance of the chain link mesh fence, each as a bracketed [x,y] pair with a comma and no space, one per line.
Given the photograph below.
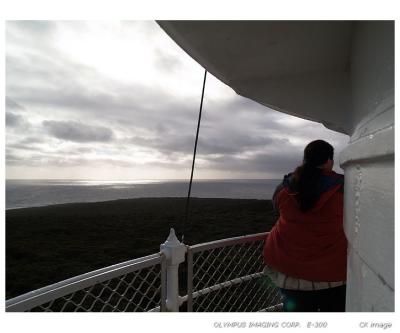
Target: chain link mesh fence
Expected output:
[224,276]
[137,287]
[227,276]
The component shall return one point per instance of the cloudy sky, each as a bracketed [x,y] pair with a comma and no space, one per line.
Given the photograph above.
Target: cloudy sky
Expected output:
[120,100]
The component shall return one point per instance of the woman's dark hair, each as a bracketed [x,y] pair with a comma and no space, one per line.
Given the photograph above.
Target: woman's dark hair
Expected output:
[307,176]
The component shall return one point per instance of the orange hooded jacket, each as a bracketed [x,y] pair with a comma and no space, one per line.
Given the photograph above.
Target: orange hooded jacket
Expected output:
[311,245]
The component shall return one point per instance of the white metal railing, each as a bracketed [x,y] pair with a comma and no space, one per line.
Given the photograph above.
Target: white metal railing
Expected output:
[135,285]
[227,275]
[223,275]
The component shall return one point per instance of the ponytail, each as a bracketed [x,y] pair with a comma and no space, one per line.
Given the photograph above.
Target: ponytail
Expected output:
[307,180]
[307,176]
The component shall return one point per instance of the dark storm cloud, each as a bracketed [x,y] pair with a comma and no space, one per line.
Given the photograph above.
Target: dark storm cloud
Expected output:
[217,143]
[77,132]
[229,143]
[276,163]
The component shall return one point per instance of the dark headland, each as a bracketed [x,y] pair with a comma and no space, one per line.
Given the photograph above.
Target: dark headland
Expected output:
[48,244]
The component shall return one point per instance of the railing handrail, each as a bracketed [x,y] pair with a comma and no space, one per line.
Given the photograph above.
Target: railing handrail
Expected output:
[227,242]
[65,287]
[221,285]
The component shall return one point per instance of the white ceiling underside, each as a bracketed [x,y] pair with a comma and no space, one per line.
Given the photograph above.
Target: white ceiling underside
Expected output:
[297,67]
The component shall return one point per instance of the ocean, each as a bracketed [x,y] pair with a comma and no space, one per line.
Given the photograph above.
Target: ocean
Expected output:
[35,193]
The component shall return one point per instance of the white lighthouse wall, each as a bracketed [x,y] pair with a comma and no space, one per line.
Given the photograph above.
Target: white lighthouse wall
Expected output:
[368,162]
[372,67]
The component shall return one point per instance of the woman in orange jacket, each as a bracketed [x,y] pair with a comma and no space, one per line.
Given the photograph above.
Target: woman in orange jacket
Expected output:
[305,252]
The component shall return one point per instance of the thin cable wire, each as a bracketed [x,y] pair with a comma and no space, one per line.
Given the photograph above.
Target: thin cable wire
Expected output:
[193,161]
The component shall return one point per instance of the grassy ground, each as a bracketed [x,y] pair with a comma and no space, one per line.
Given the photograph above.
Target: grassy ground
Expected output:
[45,245]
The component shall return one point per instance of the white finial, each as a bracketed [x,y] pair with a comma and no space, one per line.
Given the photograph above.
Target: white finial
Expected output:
[172,239]
[173,248]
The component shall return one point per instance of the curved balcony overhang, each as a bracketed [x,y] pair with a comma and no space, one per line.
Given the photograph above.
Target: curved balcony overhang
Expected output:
[300,68]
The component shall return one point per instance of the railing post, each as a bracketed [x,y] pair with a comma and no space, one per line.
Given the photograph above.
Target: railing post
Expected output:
[174,252]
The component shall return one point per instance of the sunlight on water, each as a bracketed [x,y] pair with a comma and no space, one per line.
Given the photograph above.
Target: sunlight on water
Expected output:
[114,182]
